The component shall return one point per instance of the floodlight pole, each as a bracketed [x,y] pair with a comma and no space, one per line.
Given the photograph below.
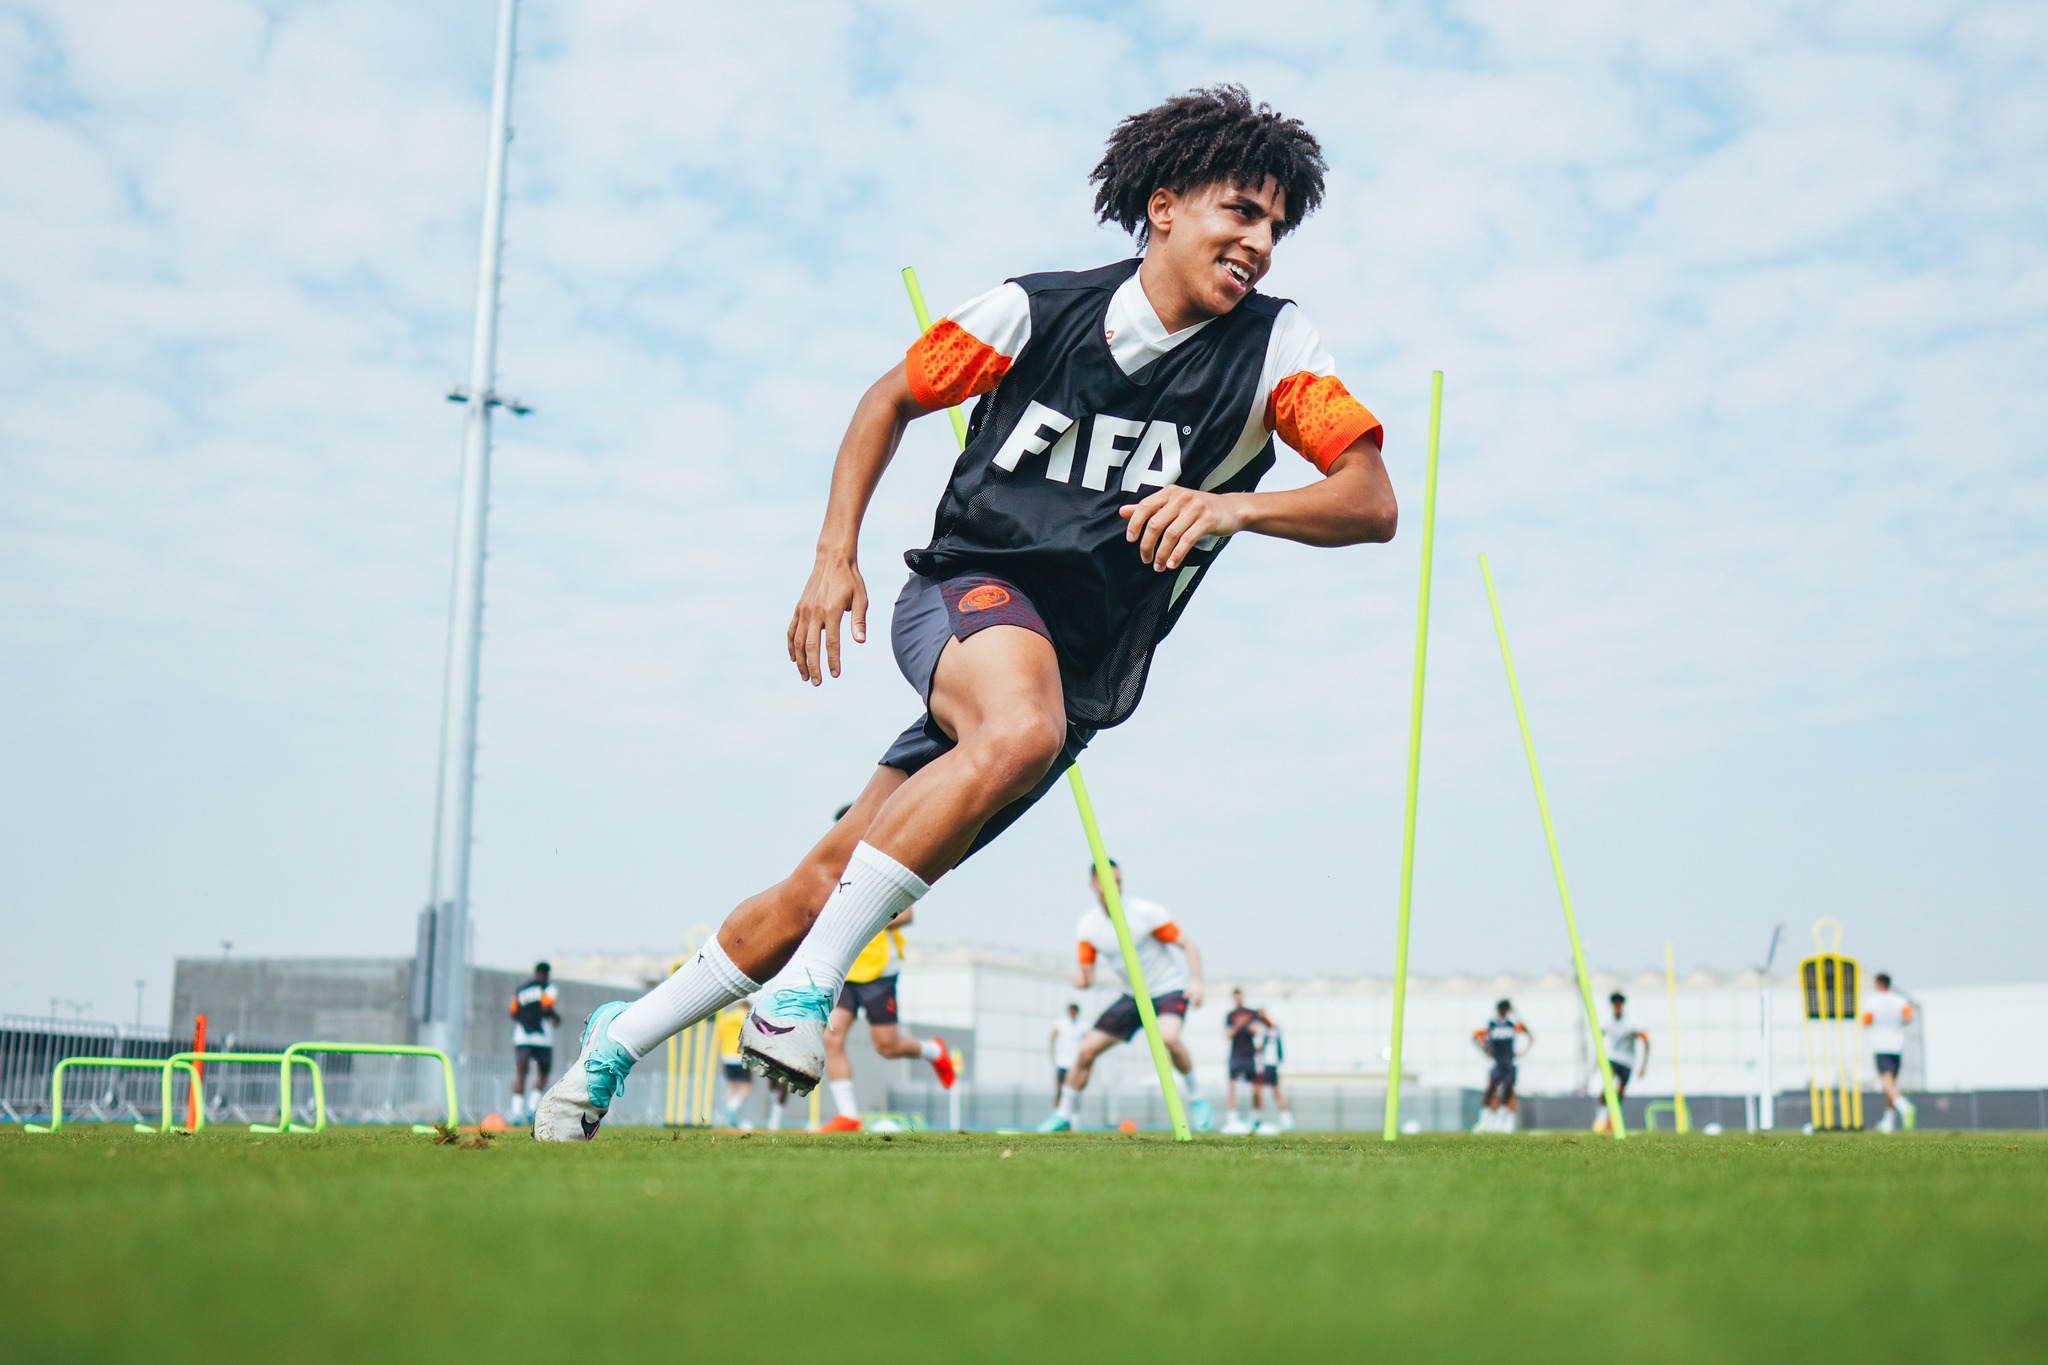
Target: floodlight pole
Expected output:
[445,1003]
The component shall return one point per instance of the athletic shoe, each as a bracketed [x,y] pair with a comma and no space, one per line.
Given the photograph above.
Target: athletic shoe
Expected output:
[1909,1112]
[576,1104]
[784,1038]
[1888,1122]
[1056,1123]
[1287,1121]
[843,1123]
[1267,1130]
[943,1065]
[1201,1117]
[1237,1127]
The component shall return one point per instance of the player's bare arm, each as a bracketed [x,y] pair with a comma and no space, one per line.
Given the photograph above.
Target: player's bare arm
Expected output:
[1354,505]
[836,587]
[1194,970]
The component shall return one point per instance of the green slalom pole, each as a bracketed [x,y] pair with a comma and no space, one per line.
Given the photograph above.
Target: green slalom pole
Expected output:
[1105,875]
[1392,1128]
[1564,892]
[1113,899]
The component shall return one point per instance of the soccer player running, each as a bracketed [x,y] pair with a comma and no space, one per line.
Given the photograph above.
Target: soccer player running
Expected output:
[1173,972]
[870,989]
[1885,1016]
[1067,1034]
[1271,1053]
[739,1082]
[1499,1038]
[1240,1026]
[1628,1053]
[534,1017]
[1127,415]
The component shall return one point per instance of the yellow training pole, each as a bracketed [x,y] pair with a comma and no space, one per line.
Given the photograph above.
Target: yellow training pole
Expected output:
[1105,875]
[1564,893]
[1678,1113]
[1392,1127]
[673,1099]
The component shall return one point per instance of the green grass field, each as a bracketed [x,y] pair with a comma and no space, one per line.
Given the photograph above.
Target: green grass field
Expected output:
[375,1245]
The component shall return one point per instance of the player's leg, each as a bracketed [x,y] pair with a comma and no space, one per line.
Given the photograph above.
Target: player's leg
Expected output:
[1280,1104]
[1067,1109]
[518,1084]
[1171,1011]
[893,1040]
[739,1084]
[839,1067]
[1059,1083]
[996,696]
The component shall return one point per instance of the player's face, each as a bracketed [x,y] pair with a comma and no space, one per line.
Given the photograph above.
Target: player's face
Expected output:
[1216,241]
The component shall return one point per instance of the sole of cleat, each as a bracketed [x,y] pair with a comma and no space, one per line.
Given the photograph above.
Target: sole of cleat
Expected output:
[798,1083]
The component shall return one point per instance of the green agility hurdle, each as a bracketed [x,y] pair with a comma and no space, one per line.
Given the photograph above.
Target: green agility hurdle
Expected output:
[1105,876]
[191,1060]
[137,1063]
[297,1053]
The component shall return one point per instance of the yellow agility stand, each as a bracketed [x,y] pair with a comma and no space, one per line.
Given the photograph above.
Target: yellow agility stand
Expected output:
[692,1059]
[1829,982]
[1679,1114]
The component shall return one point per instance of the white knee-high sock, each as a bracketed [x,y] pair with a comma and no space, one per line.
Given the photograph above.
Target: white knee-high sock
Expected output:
[873,890]
[700,988]
[843,1100]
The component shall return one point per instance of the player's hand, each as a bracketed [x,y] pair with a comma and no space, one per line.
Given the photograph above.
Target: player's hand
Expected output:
[1195,995]
[1168,524]
[836,588]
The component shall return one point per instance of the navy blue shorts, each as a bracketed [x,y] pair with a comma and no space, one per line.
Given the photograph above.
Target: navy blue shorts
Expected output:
[1121,1021]
[877,998]
[1270,1075]
[1502,1079]
[1622,1071]
[735,1072]
[1887,1063]
[542,1057]
[929,612]
[1244,1068]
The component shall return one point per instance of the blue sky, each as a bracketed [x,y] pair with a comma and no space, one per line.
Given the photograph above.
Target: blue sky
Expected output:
[1743,313]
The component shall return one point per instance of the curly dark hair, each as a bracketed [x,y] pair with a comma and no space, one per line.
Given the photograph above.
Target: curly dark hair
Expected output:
[1206,136]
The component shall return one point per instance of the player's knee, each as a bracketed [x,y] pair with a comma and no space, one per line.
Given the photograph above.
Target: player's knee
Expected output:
[1018,748]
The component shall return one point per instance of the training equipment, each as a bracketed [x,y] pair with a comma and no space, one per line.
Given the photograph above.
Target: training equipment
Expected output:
[1105,875]
[1564,891]
[297,1053]
[576,1104]
[1436,413]
[1679,1115]
[1828,981]
[196,1108]
[784,1037]
[56,1123]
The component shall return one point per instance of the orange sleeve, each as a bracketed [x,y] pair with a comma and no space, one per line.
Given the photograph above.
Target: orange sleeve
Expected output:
[1168,932]
[1907,1016]
[1087,953]
[949,365]
[513,1008]
[1317,415]
[547,1000]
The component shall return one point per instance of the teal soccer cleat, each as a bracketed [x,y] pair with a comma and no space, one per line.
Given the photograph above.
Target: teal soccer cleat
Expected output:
[576,1104]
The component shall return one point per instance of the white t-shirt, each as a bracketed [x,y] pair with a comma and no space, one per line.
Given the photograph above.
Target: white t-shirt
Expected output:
[1164,962]
[1066,1041]
[1888,1013]
[1622,1043]
[1269,1049]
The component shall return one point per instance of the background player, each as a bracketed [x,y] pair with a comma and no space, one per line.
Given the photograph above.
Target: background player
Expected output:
[1885,1017]
[1267,1077]
[870,989]
[1067,1033]
[1173,972]
[1240,1026]
[739,1082]
[1628,1053]
[1498,1038]
[534,1017]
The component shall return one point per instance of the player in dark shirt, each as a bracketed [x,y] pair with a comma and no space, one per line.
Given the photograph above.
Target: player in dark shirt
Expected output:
[1106,466]
[534,1017]
[1240,1026]
[1499,1038]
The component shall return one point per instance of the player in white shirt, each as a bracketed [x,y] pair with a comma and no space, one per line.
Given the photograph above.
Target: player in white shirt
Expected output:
[1628,1053]
[1885,1016]
[1268,1078]
[1173,973]
[1068,1032]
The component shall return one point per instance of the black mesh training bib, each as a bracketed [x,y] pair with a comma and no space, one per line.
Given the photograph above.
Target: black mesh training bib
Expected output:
[1067,438]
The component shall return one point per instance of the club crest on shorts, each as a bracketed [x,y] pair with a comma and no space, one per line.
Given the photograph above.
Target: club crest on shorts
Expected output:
[982,598]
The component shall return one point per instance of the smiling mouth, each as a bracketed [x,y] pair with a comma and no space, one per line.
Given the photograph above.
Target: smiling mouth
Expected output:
[1239,272]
